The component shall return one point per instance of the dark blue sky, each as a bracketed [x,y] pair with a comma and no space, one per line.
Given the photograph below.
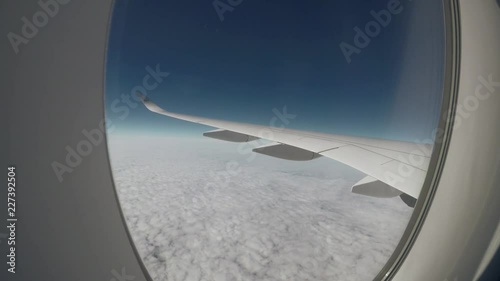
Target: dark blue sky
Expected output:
[270,54]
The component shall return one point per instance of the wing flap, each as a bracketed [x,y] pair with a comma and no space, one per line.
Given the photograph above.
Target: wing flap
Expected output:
[370,186]
[373,165]
[231,136]
[286,152]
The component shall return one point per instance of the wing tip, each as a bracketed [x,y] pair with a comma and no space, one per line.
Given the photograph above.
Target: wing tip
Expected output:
[142,96]
[149,104]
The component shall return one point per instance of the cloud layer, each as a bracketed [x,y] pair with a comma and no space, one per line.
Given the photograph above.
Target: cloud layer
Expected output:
[269,219]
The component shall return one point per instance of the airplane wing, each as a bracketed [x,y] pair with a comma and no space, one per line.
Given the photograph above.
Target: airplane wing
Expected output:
[392,168]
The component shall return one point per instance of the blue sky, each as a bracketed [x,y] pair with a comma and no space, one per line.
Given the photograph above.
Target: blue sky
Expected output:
[271,54]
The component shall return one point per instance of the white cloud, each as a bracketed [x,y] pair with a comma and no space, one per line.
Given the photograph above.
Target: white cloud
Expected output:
[274,220]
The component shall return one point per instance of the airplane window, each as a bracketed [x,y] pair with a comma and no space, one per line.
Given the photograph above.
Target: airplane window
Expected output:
[271,140]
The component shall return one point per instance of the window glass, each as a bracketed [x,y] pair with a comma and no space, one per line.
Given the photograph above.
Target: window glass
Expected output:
[200,208]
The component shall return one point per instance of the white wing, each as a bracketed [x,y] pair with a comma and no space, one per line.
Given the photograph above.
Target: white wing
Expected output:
[393,168]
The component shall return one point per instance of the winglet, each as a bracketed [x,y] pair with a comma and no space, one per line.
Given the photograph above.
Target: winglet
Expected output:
[142,96]
[149,104]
